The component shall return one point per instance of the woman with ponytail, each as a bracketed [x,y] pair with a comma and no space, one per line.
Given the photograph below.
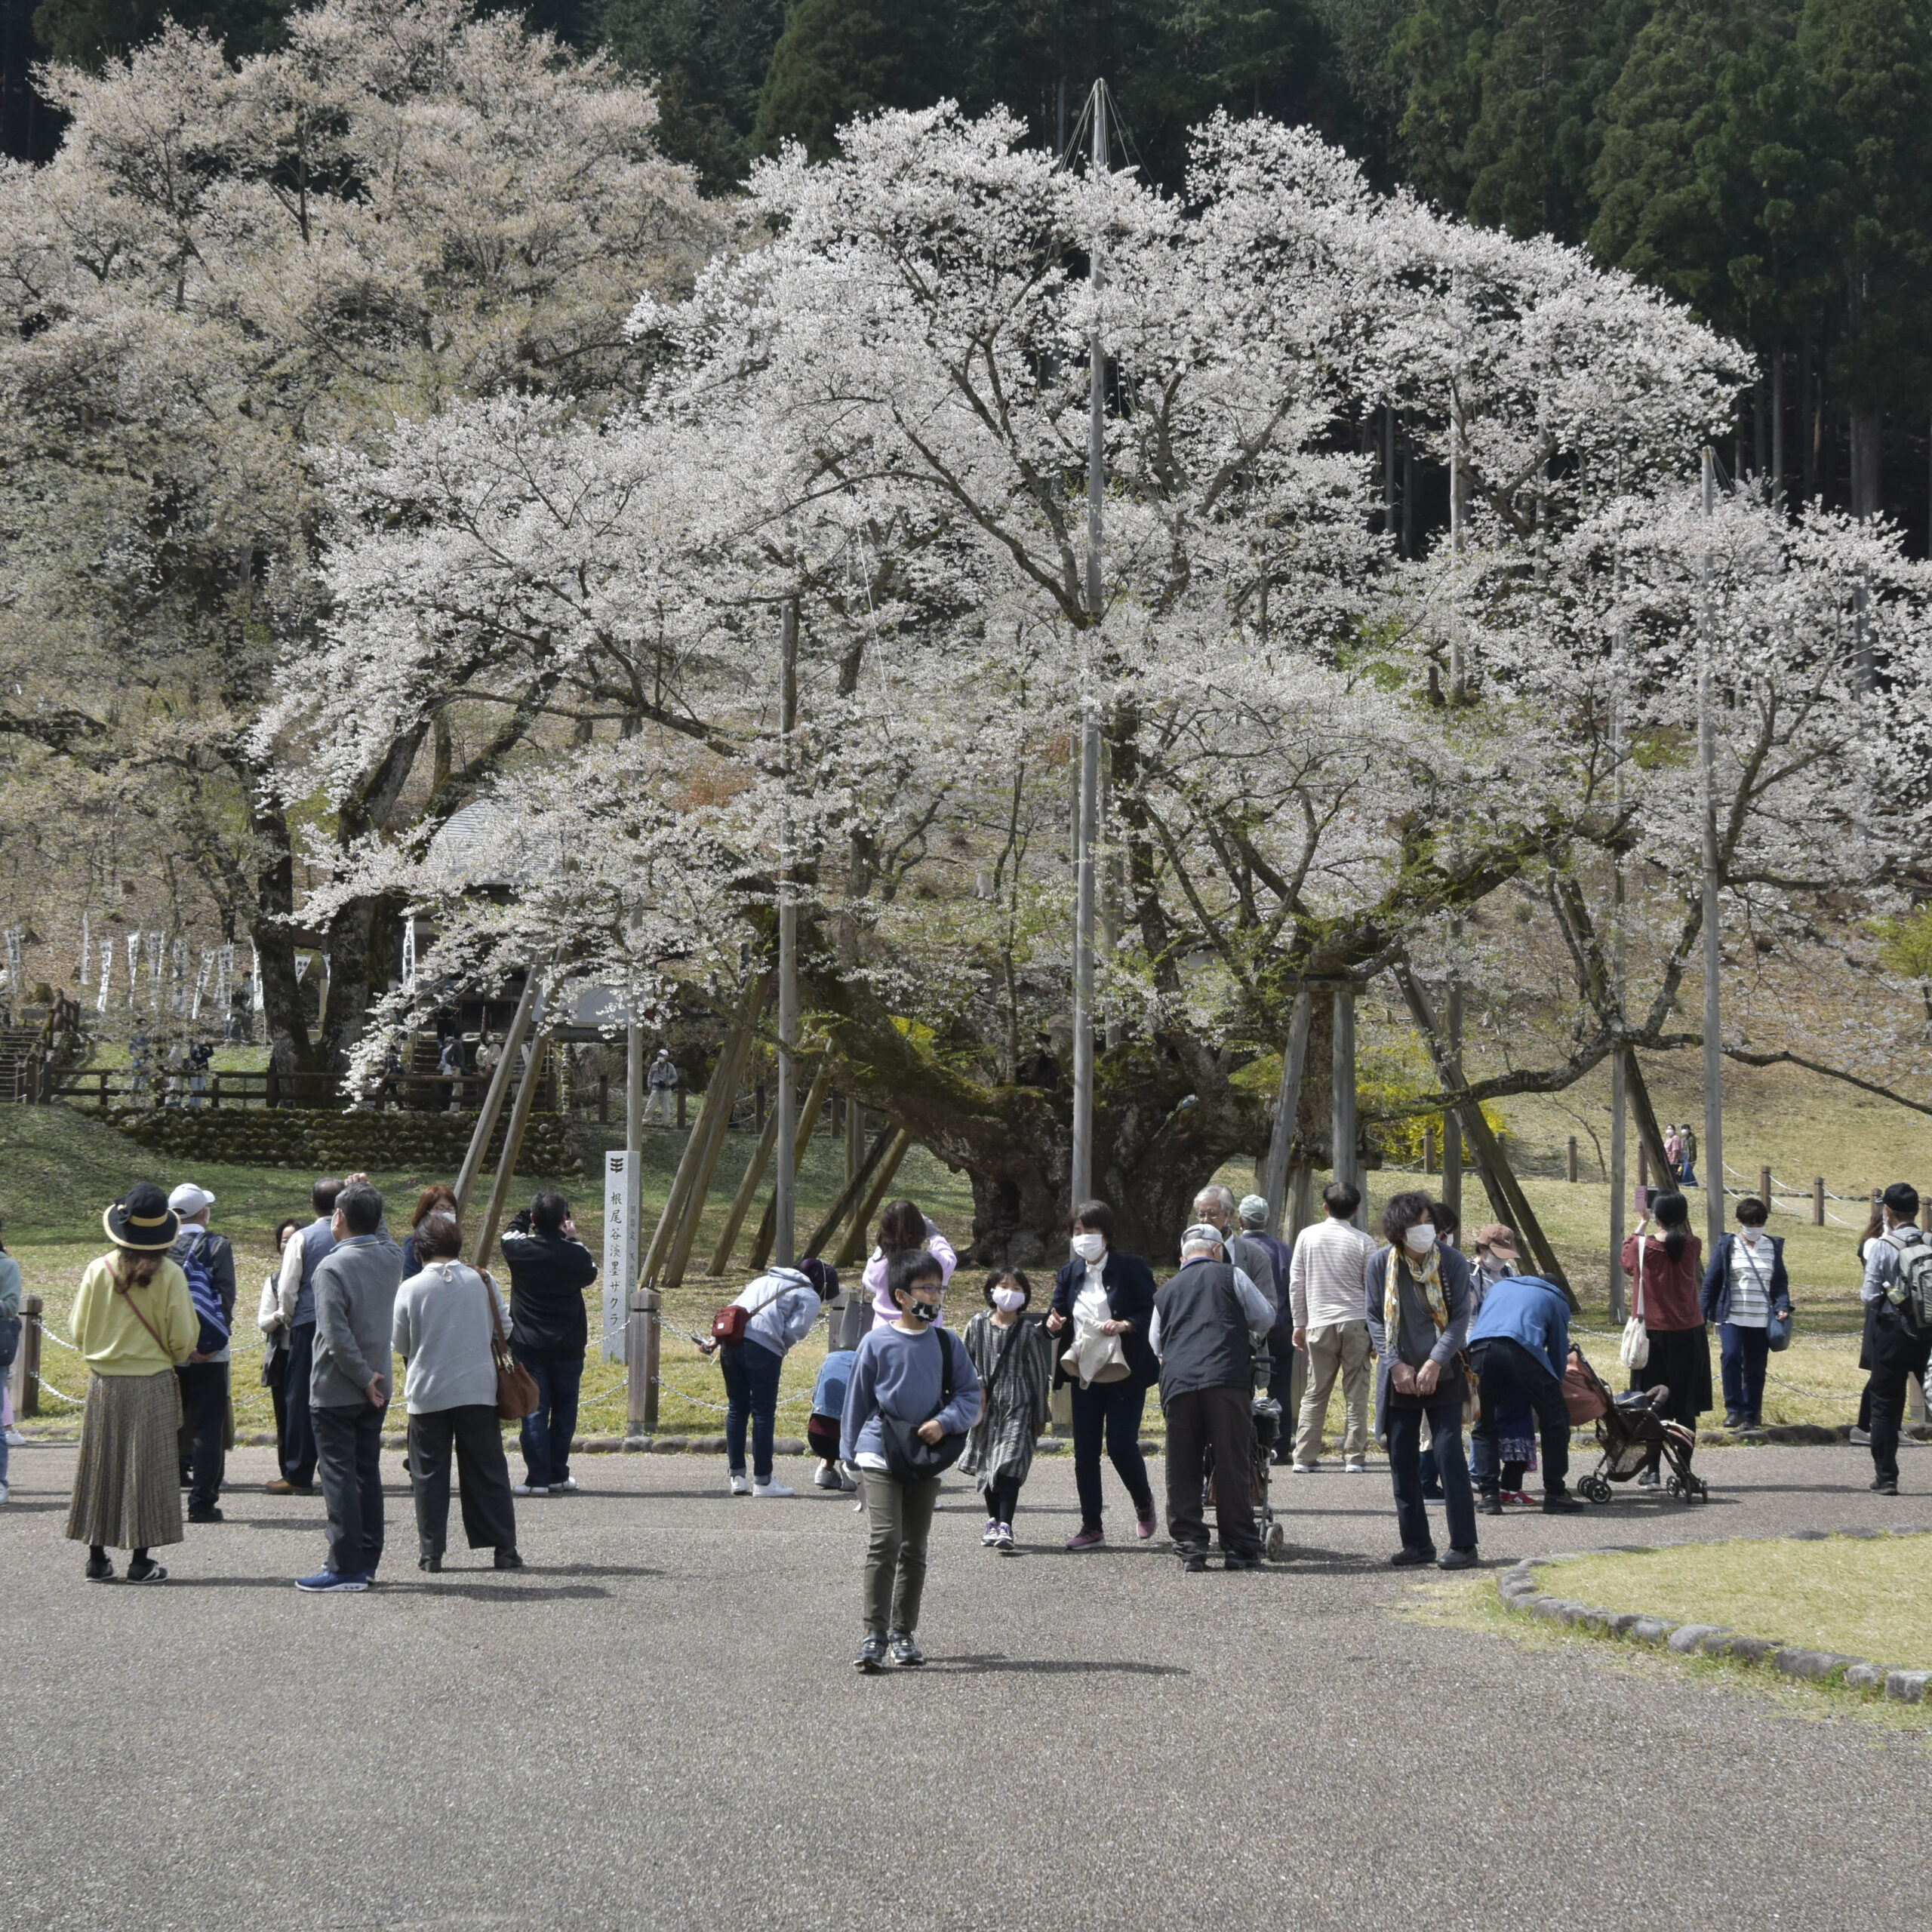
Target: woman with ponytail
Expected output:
[1666,1282]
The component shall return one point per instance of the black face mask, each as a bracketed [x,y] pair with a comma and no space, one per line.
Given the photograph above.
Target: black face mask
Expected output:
[923,1311]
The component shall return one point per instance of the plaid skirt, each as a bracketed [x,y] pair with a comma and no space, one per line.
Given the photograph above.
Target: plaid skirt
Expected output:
[127,1485]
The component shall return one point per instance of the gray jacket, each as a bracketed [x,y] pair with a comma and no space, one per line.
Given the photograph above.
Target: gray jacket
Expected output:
[355,1283]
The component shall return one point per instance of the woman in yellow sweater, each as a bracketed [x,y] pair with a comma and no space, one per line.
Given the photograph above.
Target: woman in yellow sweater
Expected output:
[133,1321]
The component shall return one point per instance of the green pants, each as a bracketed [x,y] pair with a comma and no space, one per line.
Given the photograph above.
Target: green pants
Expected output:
[902,1519]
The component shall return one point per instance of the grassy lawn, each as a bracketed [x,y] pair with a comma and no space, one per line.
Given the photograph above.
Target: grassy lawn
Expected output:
[1862,1596]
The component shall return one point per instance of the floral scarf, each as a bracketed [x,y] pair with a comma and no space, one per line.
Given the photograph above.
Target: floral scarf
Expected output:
[1427,1277]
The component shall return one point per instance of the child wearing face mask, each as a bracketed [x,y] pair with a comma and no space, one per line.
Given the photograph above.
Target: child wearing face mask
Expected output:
[899,1371]
[1015,1365]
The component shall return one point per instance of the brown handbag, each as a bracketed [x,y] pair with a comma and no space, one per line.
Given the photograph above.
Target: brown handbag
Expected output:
[516,1387]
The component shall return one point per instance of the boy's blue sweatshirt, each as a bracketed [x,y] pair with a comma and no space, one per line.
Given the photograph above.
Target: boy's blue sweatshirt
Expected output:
[900,1375]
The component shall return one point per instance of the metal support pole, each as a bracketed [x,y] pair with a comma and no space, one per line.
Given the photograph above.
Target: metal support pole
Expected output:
[1619,1170]
[26,1359]
[1086,828]
[1713,954]
[640,1333]
[1452,1140]
[785,1194]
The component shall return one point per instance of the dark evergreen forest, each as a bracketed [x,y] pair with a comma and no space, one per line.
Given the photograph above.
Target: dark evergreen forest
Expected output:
[1768,162]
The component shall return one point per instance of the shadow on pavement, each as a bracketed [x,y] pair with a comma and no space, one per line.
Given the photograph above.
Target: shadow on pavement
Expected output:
[973,1665]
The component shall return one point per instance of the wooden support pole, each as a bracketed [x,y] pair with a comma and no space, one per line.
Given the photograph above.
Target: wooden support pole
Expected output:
[717,1104]
[710,1138]
[520,1112]
[26,1360]
[1505,1195]
[1429,1149]
[1572,1162]
[748,1188]
[1764,1187]
[1818,1201]
[493,1096]
[1288,1104]
[641,1351]
[808,1117]
[1342,1113]
[853,1248]
[835,1214]
[1649,1135]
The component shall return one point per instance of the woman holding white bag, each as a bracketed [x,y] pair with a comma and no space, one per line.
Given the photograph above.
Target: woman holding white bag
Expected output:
[1102,1296]
[1666,1283]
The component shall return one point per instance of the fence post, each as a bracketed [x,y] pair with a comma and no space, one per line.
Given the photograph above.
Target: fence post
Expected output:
[26,1364]
[1572,1152]
[1764,1187]
[1429,1150]
[641,1350]
[1818,1200]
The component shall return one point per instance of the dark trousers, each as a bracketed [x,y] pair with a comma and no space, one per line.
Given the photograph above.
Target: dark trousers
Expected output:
[1284,1359]
[1224,1419]
[1896,1355]
[298,1454]
[1002,1496]
[1744,1352]
[204,1423]
[349,1446]
[901,1514]
[548,1434]
[1445,1425]
[275,1379]
[751,1391]
[1501,1365]
[489,1510]
[1109,1411]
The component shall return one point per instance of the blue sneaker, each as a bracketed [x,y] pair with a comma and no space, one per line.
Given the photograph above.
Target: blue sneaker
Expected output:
[332,1580]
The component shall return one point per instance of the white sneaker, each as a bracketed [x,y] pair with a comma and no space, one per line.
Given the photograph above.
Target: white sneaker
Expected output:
[771,1489]
[990,1534]
[566,1488]
[826,1477]
[15,1440]
[525,1489]
[5,1492]
[1307,1469]
[741,1485]
[1354,1468]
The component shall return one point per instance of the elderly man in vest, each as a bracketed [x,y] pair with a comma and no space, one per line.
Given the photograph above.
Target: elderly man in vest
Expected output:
[1208,1321]
[295,1288]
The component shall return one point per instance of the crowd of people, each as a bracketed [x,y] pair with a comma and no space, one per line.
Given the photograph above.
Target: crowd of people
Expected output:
[1467,1352]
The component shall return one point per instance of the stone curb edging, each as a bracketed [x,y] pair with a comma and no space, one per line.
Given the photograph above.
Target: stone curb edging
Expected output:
[1517,1589]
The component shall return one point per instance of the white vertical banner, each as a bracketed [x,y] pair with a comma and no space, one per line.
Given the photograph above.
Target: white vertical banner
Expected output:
[409,952]
[622,1211]
[254,980]
[133,967]
[106,975]
[201,981]
[87,950]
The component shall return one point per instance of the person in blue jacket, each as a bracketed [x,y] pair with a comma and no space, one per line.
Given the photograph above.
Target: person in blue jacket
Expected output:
[1745,1287]
[782,1305]
[1520,1340]
[899,1370]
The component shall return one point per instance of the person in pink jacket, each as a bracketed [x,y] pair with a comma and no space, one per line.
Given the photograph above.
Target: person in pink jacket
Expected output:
[901,1227]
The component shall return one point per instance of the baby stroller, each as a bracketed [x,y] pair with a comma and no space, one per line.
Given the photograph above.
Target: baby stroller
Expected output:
[1628,1428]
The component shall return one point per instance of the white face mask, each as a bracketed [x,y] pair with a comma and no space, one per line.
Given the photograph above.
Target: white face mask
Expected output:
[1419,1239]
[1089,1247]
[1009,1301]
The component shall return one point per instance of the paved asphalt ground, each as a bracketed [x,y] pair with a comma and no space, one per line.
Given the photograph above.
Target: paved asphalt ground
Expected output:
[658,1725]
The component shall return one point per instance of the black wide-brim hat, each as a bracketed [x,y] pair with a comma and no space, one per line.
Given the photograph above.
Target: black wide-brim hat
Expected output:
[142,1220]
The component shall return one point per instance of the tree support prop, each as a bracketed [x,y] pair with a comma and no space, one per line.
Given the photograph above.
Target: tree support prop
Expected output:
[520,1022]
[526,1098]
[852,1191]
[853,1250]
[1506,1197]
[808,1116]
[741,1201]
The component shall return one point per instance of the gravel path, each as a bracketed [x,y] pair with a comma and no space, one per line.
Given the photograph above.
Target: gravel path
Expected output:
[657,1725]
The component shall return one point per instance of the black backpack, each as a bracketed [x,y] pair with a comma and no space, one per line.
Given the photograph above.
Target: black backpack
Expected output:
[1911,1294]
[909,1457]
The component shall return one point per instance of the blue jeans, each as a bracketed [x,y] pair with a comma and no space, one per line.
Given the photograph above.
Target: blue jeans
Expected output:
[1445,1425]
[548,1434]
[751,1389]
[298,1454]
[1744,1351]
[1111,1411]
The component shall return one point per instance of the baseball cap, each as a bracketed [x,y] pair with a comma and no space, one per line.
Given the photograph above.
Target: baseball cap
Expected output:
[188,1199]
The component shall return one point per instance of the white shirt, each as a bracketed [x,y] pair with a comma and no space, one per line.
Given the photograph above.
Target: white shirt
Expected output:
[1750,1287]
[1327,1276]
[1090,1306]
